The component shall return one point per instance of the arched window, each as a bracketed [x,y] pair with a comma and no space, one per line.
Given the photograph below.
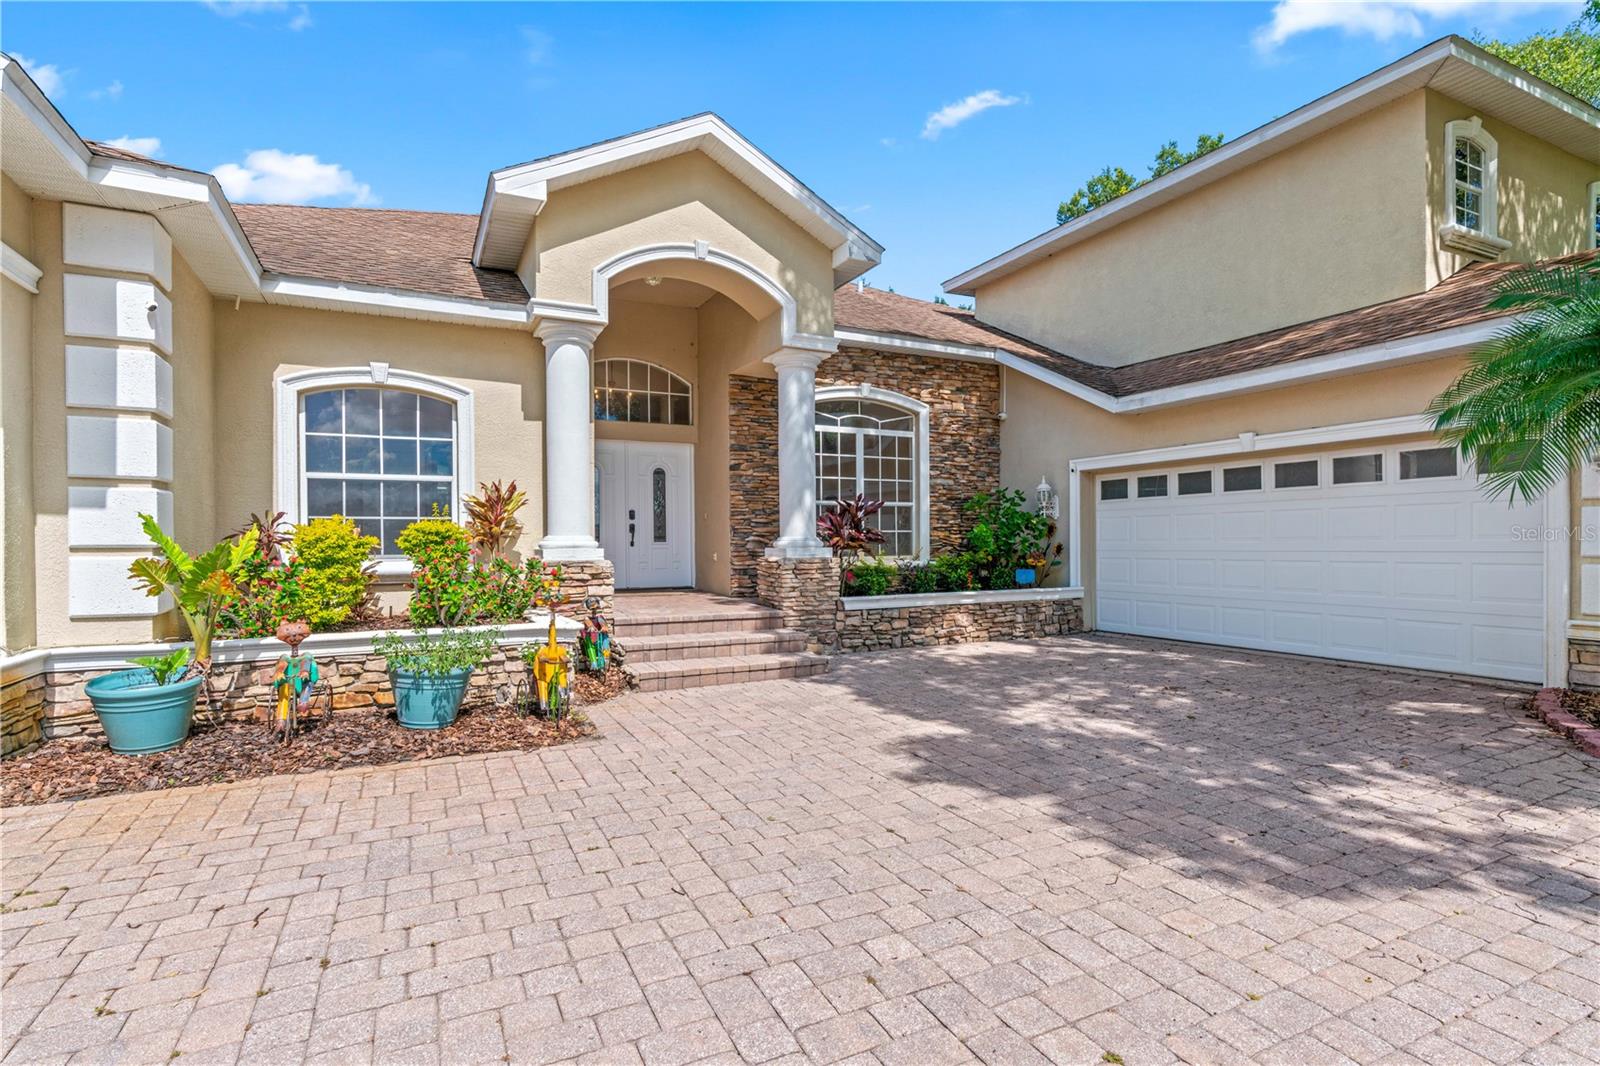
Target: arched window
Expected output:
[630,390]
[875,443]
[380,445]
[1467,187]
[1472,163]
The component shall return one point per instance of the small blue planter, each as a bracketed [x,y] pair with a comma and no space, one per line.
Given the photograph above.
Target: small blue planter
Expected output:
[140,716]
[1025,576]
[428,701]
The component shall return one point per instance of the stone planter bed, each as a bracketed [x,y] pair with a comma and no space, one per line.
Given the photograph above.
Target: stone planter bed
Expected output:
[1575,715]
[872,623]
[233,749]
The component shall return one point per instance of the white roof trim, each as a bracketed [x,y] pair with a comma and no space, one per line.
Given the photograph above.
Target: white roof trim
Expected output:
[374,300]
[1420,67]
[19,268]
[517,194]
[1403,350]
[1316,436]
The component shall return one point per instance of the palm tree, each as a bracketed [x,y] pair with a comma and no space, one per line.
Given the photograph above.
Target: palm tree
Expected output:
[1527,408]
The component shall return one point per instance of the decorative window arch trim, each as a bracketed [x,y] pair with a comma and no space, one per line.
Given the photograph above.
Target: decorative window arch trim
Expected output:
[1484,242]
[920,412]
[287,392]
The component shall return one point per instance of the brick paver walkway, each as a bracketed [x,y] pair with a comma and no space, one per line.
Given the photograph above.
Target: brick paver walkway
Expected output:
[1015,853]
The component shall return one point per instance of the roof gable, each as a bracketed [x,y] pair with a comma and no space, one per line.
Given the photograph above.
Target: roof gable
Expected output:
[517,194]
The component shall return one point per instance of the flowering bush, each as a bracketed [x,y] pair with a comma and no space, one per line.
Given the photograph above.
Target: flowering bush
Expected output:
[449,587]
[271,589]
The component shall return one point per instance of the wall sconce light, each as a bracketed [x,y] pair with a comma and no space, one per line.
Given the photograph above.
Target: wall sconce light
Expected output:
[1049,502]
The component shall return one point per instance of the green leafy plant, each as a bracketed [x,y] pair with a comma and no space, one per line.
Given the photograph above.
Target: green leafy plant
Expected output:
[1527,407]
[335,563]
[435,652]
[164,668]
[201,586]
[845,528]
[919,577]
[1003,531]
[871,578]
[449,588]
[952,571]
[269,591]
[492,525]
[434,535]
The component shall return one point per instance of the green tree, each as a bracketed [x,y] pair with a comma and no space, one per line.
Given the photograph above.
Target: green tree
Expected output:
[1113,182]
[1569,59]
[1527,407]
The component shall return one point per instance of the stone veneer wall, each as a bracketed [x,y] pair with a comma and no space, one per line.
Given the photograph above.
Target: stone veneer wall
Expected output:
[955,623]
[805,590]
[963,443]
[1583,664]
[21,714]
[582,580]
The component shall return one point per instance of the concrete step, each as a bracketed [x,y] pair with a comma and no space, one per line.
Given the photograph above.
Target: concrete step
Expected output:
[674,646]
[725,670]
[749,618]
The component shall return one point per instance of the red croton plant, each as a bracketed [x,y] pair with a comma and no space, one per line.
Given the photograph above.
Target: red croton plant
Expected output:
[845,529]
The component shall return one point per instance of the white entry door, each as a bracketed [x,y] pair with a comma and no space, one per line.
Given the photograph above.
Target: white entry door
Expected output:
[1387,555]
[644,503]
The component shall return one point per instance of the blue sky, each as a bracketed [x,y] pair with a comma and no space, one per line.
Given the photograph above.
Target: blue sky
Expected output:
[411,105]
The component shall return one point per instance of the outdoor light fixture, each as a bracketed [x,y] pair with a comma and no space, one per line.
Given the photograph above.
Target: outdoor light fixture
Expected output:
[1049,502]
[653,280]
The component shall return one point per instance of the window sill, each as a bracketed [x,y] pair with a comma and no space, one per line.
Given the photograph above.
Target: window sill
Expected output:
[391,570]
[1471,243]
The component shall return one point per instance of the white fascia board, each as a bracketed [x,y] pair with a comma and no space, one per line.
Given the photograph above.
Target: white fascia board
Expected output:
[341,296]
[200,190]
[19,268]
[1259,142]
[536,180]
[20,90]
[949,599]
[1372,357]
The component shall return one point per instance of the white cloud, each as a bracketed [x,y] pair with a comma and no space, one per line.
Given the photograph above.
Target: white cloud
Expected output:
[282,177]
[110,92]
[952,115]
[1382,20]
[536,45]
[299,14]
[50,78]
[150,146]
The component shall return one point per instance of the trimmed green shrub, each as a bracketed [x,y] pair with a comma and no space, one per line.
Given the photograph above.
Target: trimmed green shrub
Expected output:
[953,572]
[333,575]
[871,578]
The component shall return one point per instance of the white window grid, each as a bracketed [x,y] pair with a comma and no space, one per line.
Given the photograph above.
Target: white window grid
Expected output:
[874,457]
[1467,183]
[1391,462]
[384,468]
[632,390]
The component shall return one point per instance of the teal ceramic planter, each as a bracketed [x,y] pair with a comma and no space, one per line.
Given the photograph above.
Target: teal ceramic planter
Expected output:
[140,716]
[428,701]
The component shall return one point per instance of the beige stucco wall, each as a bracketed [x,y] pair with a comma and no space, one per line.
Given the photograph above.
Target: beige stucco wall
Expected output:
[17,627]
[1330,224]
[677,200]
[1543,191]
[258,343]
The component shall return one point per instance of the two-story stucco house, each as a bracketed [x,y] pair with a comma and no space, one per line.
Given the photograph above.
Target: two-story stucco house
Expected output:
[662,337]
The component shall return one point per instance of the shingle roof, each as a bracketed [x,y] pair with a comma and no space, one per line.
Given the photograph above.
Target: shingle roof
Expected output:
[419,251]
[1459,300]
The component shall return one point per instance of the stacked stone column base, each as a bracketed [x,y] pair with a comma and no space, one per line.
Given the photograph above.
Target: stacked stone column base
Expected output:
[805,590]
[580,580]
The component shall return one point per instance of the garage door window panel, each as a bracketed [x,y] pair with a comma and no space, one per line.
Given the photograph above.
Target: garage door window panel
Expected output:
[1358,469]
[1194,483]
[1241,479]
[1419,463]
[1114,489]
[1152,486]
[1296,474]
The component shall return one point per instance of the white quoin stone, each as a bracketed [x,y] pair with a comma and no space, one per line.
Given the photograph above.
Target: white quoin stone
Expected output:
[108,516]
[126,378]
[109,447]
[797,455]
[568,442]
[98,586]
[117,309]
[125,241]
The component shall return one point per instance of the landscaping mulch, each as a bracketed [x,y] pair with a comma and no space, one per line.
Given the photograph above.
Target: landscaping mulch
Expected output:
[1584,705]
[80,767]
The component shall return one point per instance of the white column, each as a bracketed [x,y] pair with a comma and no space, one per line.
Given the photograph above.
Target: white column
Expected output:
[797,455]
[568,441]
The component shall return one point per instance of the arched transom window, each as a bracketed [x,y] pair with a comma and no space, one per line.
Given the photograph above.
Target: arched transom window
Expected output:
[384,457]
[871,445]
[631,390]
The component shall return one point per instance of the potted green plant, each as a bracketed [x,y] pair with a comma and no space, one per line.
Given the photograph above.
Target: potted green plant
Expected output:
[429,670]
[149,708]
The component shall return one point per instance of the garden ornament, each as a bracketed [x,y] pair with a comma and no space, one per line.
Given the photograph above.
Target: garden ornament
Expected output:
[293,680]
[594,639]
[552,674]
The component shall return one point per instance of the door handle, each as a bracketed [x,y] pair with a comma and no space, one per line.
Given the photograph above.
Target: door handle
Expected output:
[631,528]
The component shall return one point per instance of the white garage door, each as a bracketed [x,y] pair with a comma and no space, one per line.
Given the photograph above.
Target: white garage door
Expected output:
[1383,555]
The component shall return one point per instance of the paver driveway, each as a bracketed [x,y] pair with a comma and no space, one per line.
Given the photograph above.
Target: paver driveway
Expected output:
[1058,849]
